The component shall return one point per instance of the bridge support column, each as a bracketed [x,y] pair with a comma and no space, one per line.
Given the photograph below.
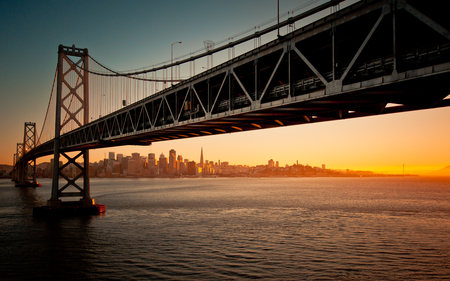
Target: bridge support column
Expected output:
[73,172]
[17,169]
[14,171]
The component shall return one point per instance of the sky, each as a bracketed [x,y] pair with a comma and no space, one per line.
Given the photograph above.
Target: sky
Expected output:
[128,35]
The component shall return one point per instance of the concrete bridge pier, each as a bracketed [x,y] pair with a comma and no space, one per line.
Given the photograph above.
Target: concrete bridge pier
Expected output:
[55,205]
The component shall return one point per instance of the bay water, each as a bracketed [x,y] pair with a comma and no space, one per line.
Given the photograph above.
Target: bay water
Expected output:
[388,228]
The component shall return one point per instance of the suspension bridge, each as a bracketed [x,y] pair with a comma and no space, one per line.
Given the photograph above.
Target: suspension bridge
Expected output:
[373,57]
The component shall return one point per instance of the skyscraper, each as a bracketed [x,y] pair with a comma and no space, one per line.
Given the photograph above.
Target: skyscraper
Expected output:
[152,164]
[137,160]
[151,160]
[201,164]
[131,167]
[162,163]
[191,168]
[111,156]
[172,162]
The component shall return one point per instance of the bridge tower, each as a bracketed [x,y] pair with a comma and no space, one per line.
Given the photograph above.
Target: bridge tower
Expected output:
[72,110]
[17,155]
[26,172]
[13,172]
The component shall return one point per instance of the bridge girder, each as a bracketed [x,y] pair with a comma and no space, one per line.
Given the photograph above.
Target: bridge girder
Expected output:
[352,63]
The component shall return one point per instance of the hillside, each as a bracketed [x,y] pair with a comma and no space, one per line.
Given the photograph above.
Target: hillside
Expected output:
[445,172]
[7,168]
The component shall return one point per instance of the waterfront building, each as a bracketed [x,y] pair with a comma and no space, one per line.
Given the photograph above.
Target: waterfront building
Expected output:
[163,165]
[191,168]
[116,167]
[137,160]
[125,164]
[152,164]
[172,162]
[182,168]
[95,167]
[109,171]
[201,164]
[143,163]
[131,167]
[151,159]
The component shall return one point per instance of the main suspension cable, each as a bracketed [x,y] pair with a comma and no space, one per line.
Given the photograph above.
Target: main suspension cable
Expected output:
[49,103]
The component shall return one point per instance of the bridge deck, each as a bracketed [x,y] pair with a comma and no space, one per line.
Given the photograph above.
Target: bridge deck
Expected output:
[350,64]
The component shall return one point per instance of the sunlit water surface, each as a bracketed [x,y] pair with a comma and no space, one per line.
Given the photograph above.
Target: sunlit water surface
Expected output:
[232,229]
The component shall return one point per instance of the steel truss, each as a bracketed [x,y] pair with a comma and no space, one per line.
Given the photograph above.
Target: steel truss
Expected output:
[350,64]
[28,173]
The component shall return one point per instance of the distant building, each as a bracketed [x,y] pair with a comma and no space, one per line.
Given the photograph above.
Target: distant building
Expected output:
[109,171]
[270,164]
[163,165]
[201,164]
[143,163]
[111,156]
[152,164]
[172,162]
[95,167]
[151,158]
[125,164]
[137,160]
[182,168]
[116,167]
[131,167]
[192,168]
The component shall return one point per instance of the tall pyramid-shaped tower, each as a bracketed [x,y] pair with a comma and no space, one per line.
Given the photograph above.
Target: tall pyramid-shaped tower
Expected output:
[202,164]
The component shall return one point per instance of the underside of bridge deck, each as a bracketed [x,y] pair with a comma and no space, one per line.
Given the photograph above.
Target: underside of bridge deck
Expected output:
[374,57]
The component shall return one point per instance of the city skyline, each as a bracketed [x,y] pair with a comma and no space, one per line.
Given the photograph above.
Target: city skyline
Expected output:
[136,165]
[269,163]
[379,143]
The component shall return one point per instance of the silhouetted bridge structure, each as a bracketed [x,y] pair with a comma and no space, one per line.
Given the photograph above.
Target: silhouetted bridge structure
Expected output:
[374,57]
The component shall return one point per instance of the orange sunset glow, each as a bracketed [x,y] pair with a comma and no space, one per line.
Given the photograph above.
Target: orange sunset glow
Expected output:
[380,144]
[418,139]
[224,140]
